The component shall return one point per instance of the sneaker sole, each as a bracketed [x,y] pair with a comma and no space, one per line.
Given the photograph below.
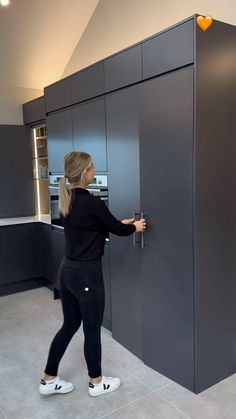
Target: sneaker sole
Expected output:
[106,391]
[56,391]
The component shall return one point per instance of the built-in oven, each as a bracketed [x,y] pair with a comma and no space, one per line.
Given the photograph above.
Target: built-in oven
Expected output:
[98,187]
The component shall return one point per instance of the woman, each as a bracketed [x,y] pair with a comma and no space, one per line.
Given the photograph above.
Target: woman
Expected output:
[87,221]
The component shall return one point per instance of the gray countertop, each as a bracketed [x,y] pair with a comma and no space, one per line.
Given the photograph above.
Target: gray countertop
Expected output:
[45,218]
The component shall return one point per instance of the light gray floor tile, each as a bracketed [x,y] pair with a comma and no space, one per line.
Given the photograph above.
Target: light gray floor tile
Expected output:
[2,414]
[195,405]
[121,355]
[28,323]
[152,379]
[149,407]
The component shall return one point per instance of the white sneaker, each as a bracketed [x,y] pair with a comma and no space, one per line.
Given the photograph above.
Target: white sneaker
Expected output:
[55,386]
[106,385]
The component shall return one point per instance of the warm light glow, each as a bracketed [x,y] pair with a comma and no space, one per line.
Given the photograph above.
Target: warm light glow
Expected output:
[4,2]
[37,172]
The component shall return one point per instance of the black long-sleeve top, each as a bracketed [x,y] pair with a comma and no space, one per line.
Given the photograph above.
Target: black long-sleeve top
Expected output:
[88,224]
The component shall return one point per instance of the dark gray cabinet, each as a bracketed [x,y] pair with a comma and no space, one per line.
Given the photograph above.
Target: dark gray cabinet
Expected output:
[18,260]
[168,50]
[59,139]
[150,130]
[57,95]
[90,131]
[123,69]
[87,83]
[58,250]
[44,250]
[16,172]
[122,116]
[34,111]
[183,137]
[166,177]
[107,285]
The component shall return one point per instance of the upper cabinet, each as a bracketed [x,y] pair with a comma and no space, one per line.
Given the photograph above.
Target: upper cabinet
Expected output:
[168,50]
[87,83]
[59,139]
[34,111]
[90,131]
[123,69]
[57,95]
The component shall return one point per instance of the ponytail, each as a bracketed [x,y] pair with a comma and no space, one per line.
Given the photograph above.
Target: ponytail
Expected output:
[64,197]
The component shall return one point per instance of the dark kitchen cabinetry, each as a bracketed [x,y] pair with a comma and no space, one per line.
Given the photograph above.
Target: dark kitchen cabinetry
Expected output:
[18,260]
[57,95]
[181,309]
[58,250]
[16,172]
[34,111]
[44,250]
[50,251]
[87,83]
[59,139]
[107,285]
[123,68]
[154,285]
[168,50]
[124,198]
[90,131]
[166,161]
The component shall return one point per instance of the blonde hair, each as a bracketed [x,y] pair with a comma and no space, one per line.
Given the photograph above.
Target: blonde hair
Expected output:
[75,163]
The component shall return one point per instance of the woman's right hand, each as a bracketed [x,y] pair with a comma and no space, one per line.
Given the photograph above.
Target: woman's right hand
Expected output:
[140,225]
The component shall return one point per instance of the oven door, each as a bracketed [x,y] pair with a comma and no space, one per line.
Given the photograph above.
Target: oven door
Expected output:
[54,205]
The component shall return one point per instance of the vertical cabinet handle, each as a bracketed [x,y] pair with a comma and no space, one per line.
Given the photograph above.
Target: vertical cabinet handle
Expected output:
[134,234]
[142,233]
[142,244]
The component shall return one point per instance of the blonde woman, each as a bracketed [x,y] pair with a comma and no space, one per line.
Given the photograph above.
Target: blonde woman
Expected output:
[86,221]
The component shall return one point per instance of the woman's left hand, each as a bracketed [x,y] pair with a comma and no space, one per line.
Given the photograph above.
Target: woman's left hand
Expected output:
[128,221]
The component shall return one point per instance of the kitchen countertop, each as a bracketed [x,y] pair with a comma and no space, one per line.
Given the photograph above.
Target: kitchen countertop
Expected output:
[44,218]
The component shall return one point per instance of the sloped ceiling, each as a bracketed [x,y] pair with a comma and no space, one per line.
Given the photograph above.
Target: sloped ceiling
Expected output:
[37,39]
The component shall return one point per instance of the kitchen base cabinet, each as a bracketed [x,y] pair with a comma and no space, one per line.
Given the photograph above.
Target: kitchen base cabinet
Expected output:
[58,250]
[44,250]
[18,261]
[107,285]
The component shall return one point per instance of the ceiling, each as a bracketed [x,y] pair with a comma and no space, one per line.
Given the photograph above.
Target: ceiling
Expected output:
[38,37]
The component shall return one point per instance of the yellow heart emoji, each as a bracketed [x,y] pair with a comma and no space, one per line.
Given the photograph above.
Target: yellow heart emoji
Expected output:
[204,22]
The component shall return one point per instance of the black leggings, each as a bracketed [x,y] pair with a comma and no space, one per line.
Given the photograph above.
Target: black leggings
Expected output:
[82,296]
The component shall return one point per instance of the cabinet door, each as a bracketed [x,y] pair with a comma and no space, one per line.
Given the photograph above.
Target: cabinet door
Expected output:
[166,173]
[107,286]
[44,251]
[34,110]
[87,83]
[168,50]
[16,172]
[57,95]
[123,68]
[90,131]
[59,139]
[124,198]
[58,250]
[18,260]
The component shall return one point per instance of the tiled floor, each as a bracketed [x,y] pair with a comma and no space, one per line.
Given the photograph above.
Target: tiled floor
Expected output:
[29,321]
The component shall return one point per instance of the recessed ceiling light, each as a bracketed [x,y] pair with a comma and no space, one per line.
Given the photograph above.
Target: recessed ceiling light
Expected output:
[4,2]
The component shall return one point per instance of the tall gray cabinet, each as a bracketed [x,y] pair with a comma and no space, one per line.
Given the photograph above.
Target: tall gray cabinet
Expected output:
[171,154]
[162,112]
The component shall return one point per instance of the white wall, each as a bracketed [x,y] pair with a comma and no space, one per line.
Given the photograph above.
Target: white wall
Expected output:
[116,24]
[11,99]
